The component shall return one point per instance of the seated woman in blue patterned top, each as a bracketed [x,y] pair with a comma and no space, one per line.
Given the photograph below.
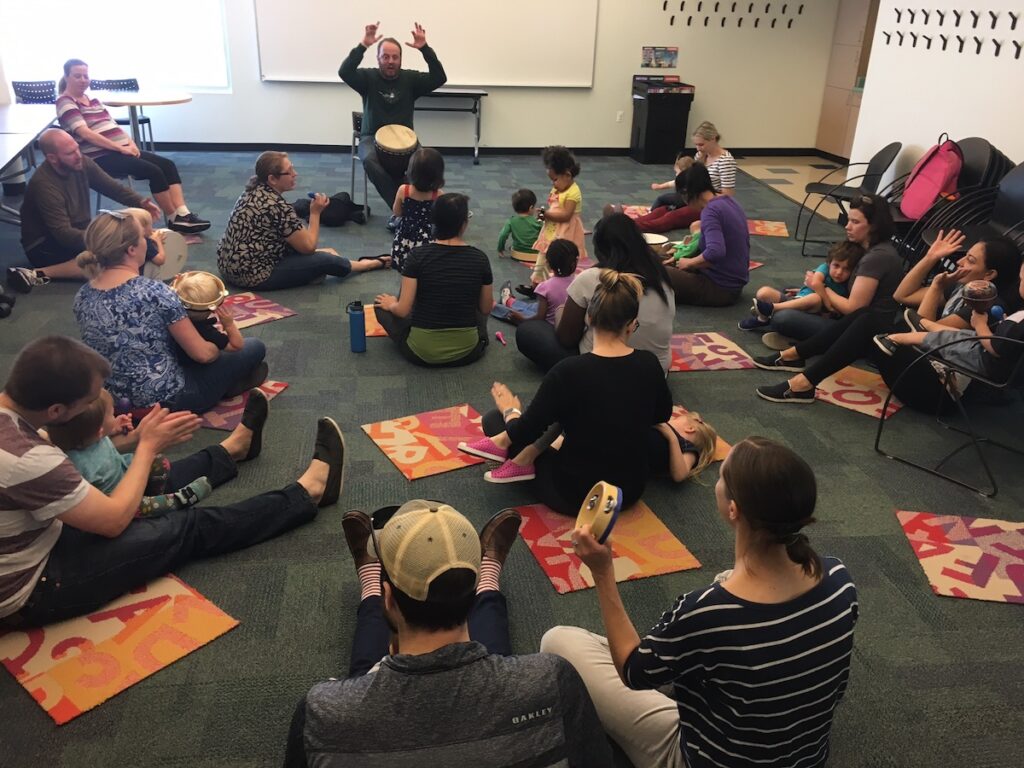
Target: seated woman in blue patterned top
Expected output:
[134,323]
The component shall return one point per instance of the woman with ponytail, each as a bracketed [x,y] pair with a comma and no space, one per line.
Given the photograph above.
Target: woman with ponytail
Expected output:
[604,402]
[137,324]
[757,661]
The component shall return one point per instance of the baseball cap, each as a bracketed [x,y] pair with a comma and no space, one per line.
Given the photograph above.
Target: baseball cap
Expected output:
[422,541]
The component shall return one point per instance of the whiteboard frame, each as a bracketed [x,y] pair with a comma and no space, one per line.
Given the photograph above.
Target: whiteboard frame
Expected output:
[286,78]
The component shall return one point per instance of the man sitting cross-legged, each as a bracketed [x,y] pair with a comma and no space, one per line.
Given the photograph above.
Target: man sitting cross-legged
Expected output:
[449,693]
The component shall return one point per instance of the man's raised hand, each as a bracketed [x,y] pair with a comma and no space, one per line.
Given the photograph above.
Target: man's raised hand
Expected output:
[370,35]
[419,37]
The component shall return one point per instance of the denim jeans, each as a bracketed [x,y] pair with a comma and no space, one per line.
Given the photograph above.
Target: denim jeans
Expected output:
[536,339]
[488,625]
[298,269]
[86,571]
[206,383]
[797,325]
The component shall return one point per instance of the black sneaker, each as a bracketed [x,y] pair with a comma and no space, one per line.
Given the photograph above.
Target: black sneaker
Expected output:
[913,319]
[781,393]
[23,279]
[776,363]
[330,449]
[189,224]
[887,345]
[527,291]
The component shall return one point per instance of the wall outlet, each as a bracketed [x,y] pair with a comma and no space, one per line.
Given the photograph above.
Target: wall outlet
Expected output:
[618,116]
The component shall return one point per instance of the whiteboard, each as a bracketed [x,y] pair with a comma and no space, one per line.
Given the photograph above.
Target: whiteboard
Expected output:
[484,43]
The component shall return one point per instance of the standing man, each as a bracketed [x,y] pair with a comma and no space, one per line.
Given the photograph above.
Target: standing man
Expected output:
[57,210]
[389,95]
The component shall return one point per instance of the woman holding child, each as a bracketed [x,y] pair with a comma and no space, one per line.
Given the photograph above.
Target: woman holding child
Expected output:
[139,325]
[266,246]
[620,246]
[604,401]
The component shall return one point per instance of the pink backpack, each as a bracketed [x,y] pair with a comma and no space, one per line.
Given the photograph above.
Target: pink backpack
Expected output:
[934,175]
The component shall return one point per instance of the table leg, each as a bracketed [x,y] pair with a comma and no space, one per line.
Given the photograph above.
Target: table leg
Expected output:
[477,109]
[133,116]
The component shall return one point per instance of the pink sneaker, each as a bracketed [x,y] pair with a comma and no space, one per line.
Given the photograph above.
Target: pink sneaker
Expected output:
[510,472]
[485,448]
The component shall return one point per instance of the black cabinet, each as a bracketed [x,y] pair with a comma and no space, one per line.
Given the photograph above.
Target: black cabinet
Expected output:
[661,110]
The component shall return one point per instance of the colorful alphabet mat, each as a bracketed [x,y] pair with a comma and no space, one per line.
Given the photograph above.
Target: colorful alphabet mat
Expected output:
[767,228]
[641,543]
[428,443]
[968,557]
[250,309]
[706,352]
[373,326]
[722,448]
[71,667]
[857,390]
[227,414]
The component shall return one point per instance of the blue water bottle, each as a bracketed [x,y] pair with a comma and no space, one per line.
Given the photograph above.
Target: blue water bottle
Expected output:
[356,326]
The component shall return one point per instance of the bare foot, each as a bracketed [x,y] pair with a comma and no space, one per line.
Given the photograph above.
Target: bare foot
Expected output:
[503,397]
[314,479]
[238,442]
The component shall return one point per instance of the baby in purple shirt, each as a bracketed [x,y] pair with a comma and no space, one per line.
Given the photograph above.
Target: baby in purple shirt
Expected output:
[551,293]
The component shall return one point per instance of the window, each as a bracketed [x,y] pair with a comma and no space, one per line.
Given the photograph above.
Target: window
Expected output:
[180,44]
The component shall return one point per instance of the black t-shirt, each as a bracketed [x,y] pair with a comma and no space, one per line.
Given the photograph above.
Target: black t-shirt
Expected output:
[883,263]
[448,281]
[606,406]
[207,328]
[659,453]
[1009,353]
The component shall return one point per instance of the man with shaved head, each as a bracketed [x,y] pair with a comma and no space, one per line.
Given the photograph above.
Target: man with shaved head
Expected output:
[389,94]
[57,210]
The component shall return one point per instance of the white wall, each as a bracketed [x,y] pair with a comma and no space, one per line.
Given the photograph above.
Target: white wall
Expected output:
[913,94]
[762,87]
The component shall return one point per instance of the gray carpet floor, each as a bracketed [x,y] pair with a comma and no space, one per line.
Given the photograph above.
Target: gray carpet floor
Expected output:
[935,681]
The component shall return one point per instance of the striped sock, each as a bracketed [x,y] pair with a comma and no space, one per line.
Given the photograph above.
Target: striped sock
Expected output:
[369,580]
[490,570]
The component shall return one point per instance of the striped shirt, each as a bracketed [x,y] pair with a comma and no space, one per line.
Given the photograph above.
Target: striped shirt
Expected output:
[74,115]
[37,483]
[756,684]
[723,171]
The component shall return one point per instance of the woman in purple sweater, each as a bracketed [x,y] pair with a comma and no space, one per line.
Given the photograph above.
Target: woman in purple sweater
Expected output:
[716,276]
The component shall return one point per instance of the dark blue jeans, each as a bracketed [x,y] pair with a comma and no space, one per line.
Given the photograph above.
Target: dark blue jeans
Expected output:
[86,571]
[797,325]
[488,625]
[207,383]
[298,269]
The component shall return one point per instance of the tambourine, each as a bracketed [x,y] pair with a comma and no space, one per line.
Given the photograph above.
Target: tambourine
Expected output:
[600,509]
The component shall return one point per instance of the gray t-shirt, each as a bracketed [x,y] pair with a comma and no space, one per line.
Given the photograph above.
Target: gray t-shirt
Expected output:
[656,316]
[885,265]
[457,706]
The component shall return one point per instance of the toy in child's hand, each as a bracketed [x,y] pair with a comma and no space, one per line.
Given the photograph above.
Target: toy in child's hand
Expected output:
[980,295]
[501,337]
[541,213]
[600,509]
[123,424]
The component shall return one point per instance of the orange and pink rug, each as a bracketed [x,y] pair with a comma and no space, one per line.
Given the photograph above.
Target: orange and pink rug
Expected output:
[857,390]
[707,352]
[250,309]
[427,444]
[73,666]
[227,414]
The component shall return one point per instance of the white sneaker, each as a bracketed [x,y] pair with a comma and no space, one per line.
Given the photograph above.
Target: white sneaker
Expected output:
[23,279]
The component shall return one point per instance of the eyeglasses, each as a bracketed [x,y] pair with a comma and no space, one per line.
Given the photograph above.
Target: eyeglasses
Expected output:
[292,172]
[119,215]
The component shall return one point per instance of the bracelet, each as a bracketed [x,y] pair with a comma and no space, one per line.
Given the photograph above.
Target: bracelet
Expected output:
[507,411]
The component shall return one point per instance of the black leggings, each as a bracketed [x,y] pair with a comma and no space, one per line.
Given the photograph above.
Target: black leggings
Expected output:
[844,342]
[545,483]
[160,171]
[921,388]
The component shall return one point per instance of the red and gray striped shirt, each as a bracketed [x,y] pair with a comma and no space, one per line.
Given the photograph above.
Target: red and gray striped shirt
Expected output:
[74,115]
[37,483]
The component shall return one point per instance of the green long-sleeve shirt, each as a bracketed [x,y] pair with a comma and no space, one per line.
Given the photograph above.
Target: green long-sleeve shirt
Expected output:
[524,231]
[390,102]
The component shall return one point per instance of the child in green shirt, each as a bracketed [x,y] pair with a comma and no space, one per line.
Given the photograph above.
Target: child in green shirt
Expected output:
[524,227]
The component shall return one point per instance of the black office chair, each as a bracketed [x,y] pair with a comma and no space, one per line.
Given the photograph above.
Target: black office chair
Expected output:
[357,129]
[1012,379]
[35,91]
[127,84]
[842,192]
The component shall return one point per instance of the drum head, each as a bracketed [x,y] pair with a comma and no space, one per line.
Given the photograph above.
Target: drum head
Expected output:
[396,138]
[600,509]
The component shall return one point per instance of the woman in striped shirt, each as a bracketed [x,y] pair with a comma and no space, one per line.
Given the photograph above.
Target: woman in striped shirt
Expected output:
[102,140]
[756,662]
